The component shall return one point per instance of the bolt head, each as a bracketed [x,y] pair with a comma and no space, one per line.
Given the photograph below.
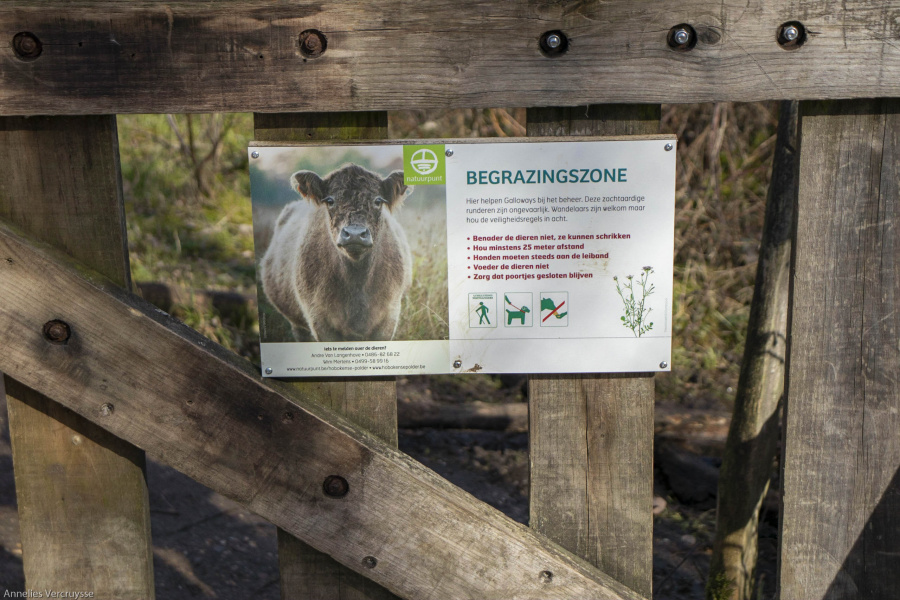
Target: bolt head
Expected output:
[791,33]
[335,486]
[448,152]
[57,332]
[370,562]
[254,154]
[313,43]
[268,370]
[669,147]
[457,364]
[682,36]
[554,41]
[106,409]
[663,365]
[27,46]
[546,576]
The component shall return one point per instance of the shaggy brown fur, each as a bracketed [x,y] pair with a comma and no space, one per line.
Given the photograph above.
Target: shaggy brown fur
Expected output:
[339,263]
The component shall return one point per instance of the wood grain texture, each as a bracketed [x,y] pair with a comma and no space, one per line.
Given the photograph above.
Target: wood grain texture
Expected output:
[151,380]
[82,493]
[110,57]
[368,402]
[591,436]
[752,443]
[841,515]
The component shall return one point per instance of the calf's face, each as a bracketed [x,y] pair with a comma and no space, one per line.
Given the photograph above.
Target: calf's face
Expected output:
[354,199]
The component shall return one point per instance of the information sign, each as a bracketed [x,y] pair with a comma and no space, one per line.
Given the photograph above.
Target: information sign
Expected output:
[465,256]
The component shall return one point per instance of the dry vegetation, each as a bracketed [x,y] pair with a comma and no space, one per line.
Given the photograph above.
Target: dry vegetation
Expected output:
[188,203]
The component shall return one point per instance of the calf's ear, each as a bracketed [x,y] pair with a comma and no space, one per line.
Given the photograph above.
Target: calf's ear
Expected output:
[309,185]
[394,190]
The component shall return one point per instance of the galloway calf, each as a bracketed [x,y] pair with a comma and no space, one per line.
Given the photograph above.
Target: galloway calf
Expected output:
[339,263]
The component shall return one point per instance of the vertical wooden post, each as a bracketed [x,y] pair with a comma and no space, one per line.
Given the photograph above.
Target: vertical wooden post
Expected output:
[591,436]
[306,573]
[840,523]
[82,493]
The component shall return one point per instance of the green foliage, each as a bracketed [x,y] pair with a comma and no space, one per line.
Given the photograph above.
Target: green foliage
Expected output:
[719,587]
[187,201]
[723,169]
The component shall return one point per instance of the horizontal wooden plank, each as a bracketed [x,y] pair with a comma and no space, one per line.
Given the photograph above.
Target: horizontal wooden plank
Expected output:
[159,385]
[106,56]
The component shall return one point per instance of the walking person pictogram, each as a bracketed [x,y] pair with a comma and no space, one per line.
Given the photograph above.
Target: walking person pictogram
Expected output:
[482,311]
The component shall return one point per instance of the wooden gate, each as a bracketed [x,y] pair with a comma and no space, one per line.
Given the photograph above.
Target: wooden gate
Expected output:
[95,377]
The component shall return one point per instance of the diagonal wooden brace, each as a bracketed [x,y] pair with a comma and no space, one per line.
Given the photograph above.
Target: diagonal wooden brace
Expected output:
[156,383]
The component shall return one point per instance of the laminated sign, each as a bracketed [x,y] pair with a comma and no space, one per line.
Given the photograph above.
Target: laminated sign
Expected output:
[465,256]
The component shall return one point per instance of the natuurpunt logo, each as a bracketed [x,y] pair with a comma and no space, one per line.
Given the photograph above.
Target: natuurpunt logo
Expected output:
[424,165]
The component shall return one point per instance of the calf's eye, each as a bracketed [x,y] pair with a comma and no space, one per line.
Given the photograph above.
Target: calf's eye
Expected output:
[329,201]
[379,201]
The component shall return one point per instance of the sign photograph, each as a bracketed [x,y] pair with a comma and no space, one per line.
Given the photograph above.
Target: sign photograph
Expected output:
[464,256]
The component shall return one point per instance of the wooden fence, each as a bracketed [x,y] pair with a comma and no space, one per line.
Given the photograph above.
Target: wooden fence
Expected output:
[95,377]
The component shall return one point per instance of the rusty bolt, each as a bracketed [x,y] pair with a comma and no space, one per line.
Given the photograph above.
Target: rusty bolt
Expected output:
[313,43]
[107,409]
[335,486]
[546,576]
[370,562]
[27,46]
[57,332]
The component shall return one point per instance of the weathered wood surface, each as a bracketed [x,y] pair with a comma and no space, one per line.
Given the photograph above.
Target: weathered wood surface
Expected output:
[148,379]
[105,56]
[591,436]
[752,443]
[82,493]
[370,403]
[841,517]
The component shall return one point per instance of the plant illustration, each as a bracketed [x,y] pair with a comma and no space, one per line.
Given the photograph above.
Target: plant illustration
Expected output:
[636,309]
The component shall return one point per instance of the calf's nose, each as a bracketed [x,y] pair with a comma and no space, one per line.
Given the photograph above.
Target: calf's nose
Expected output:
[355,235]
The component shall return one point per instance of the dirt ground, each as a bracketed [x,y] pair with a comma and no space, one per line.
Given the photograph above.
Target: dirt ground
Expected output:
[206,546]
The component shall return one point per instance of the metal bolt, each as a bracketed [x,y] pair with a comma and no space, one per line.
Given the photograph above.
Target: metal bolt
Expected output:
[554,43]
[546,576]
[107,409]
[457,364]
[669,147]
[681,37]
[335,486]
[448,152]
[791,33]
[663,365]
[254,154]
[76,440]
[370,562]
[313,43]
[268,370]
[27,46]
[57,332]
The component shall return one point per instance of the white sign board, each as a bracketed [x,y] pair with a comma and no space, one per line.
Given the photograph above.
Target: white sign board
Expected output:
[465,256]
